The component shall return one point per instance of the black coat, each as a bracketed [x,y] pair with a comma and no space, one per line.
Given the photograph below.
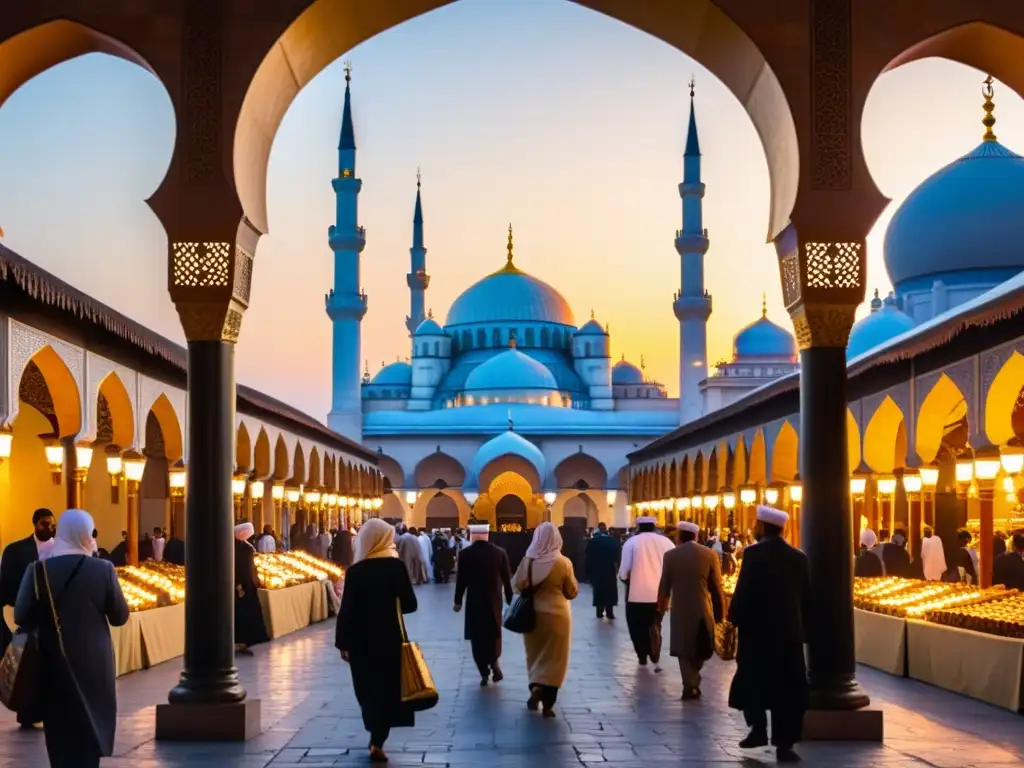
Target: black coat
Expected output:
[368,630]
[868,565]
[1008,570]
[341,550]
[17,557]
[603,557]
[483,576]
[897,560]
[250,628]
[770,609]
[174,552]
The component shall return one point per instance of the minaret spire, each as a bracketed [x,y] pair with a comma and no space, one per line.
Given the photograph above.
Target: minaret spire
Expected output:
[692,305]
[418,280]
[346,301]
[989,120]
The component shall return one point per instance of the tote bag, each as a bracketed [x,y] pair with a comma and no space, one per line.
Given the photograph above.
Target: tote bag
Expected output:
[418,690]
[521,616]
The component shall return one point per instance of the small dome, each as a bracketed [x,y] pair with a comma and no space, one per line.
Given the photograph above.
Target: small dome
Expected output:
[624,372]
[591,328]
[884,323]
[505,444]
[965,216]
[429,327]
[396,374]
[763,338]
[510,370]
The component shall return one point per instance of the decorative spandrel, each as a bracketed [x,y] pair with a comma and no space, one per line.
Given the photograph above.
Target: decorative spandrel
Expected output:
[201,265]
[833,265]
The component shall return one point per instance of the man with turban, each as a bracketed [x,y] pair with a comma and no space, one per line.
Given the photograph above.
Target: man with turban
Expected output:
[484,577]
[249,627]
[642,558]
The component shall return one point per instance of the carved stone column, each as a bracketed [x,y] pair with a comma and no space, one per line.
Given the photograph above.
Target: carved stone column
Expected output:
[822,284]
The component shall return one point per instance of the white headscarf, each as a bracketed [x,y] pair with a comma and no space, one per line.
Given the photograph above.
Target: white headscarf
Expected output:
[74,534]
[375,539]
[544,550]
[244,531]
[868,538]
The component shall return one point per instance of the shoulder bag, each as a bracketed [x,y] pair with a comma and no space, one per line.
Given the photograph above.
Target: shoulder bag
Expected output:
[418,690]
[19,667]
[521,616]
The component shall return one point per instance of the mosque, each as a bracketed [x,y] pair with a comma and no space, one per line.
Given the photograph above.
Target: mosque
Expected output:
[509,411]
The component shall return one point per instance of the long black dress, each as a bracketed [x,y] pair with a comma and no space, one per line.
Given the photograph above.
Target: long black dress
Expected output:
[341,552]
[485,575]
[369,631]
[250,628]
[603,556]
[770,609]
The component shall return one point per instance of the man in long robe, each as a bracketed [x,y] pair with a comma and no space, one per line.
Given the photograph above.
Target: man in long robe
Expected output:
[770,609]
[933,556]
[427,551]
[412,555]
[602,560]
[484,577]
[642,558]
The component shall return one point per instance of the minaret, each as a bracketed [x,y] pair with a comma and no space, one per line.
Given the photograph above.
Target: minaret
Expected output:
[692,305]
[346,303]
[417,279]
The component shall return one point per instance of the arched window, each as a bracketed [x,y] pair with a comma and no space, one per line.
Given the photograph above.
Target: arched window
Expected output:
[545,338]
[425,349]
[467,340]
[496,337]
[529,337]
[437,349]
[481,338]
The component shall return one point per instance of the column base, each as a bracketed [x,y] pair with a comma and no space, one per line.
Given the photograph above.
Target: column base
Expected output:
[843,725]
[232,721]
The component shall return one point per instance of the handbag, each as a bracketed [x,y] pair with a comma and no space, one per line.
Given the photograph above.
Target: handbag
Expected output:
[521,616]
[19,668]
[418,690]
[726,640]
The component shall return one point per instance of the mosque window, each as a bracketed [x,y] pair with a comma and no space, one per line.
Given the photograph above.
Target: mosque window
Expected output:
[437,349]
[529,337]
[496,337]
[423,349]
[481,338]
[545,338]
[586,349]
[467,340]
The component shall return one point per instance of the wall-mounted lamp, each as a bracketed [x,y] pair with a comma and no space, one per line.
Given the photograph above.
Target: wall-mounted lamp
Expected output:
[549,498]
[115,468]
[6,439]
[55,458]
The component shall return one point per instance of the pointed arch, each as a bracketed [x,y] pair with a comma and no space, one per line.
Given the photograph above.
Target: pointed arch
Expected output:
[439,470]
[700,479]
[739,463]
[299,475]
[314,468]
[757,461]
[713,474]
[169,426]
[580,470]
[392,471]
[62,388]
[685,480]
[243,449]
[282,460]
[328,479]
[1001,400]
[122,413]
[785,454]
[881,451]
[261,463]
[944,408]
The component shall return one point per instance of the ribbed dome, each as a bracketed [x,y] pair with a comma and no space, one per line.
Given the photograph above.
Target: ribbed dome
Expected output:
[626,373]
[763,338]
[429,327]
[591,328]
[965,216]
[884,323]
[510,370]
[508,443]
[395,374]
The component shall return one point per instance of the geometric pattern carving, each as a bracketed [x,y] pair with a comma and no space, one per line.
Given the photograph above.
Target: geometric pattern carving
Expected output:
[823,325]
[104,421]
[201,265]
[26,341]
[831,65]
[154,447]
[243,276]
[201,79]
[32,390]
[232,326]
[790,268]
[833,265]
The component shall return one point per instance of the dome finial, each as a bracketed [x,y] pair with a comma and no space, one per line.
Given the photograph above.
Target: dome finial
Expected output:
[989,120]
[764,304]
[508,257]
[693,85]
[591,314]
[430,313]
[417,177]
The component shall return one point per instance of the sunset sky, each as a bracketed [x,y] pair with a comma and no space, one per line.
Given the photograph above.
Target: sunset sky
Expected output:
[566,123]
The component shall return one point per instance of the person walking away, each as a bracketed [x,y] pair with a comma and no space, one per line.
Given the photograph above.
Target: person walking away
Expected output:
[444,562]
[17,558]
[691,585]
[250,628]
[369,635]
[1008,568]
[323,544]
[341,552]
[602,559]
[869,562]
[896,557]
[78,705]
[159,543]
[770,609]
[483,578]
[550,576]
[174,552]
[933,556]
[965,565]
[642,558]
[411,553]
[266,544]
[427,552]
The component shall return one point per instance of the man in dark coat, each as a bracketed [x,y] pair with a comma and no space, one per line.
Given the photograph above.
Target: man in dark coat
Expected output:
[1008,568]
[484,573]
[16,559]
[603,556]
[896,557]
[250,628]
[770,609]
[174,552]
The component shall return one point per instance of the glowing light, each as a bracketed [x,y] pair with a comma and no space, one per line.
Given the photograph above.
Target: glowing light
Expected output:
[929,476]
[134,466]
[277,492]
[256,489]
[549,498]
[6,438]
[55,456]
[83,456]
[748,495]
[912,482]
[292,494]
[771,495]
[114,465]
[796,493]
[610,497]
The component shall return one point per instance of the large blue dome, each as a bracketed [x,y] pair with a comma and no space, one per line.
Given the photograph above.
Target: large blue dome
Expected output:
[885,322]
[624,372]
[966,216]
[764,338]
[510,370]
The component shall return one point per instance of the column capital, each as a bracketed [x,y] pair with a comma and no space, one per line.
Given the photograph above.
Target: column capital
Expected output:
[823,283]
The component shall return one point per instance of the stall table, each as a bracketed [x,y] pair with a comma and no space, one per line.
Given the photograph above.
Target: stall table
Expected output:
[881,641]
[293,608]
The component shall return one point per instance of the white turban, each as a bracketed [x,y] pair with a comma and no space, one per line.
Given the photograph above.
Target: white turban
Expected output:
[689,527]
[74,534]
[479,532]
[868,538]
[244,531]
[772,516]
[647,521]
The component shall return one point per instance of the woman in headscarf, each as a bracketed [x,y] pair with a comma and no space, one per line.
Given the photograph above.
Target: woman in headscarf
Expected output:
[869,561]
[341,551]
[369,631]
[250,628]
[550,575]
[76,656]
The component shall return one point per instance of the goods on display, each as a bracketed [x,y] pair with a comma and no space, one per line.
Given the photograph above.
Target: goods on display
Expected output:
[1003,617]
[286,569]
[913,598]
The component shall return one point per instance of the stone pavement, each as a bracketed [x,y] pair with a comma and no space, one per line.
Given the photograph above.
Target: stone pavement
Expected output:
[610,711]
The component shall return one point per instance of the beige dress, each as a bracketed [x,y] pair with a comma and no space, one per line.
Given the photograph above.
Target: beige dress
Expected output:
[547,646]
